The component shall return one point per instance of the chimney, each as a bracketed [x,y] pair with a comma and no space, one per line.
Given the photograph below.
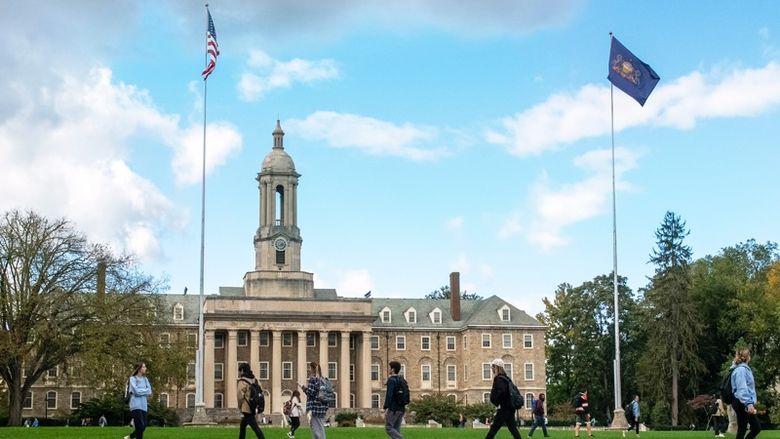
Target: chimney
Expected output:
[455,295]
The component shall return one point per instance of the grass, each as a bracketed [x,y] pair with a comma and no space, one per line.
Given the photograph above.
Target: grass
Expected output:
[333,433]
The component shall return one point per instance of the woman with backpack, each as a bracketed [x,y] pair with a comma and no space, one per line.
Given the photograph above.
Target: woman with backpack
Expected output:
[317,408]
[295,413]
[245,381]
[138,392]
[501,398]
[744,386]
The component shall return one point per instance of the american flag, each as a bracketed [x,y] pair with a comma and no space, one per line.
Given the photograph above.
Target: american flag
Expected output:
[212,48]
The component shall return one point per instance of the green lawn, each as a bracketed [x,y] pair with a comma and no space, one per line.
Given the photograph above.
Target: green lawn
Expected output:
[333,433]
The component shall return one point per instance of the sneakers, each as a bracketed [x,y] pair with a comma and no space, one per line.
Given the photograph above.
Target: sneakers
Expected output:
[126,437]
[290,435]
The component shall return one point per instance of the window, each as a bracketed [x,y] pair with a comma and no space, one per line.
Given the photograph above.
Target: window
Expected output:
[452,371]
[163,398]
[311,339]
[219,341]
[465,372]
[425,374]
[450,343]
[264,338]
[333,370]
[332,339]
[529,371]
[287,339]
[403,370]
[411,315]
[507,339]
[504,314]
[528,341]
[191,400]
[486,342]
[279,257]
[192,339]
[332,403]
[165,339]
[52,373]
[51,400]
[400,342]
[529,399]
[351,343]
[218,371]
[465,338]
[508,370]
[486,397]
[374,400]
[374,372]
[352,372]
[219,401]
[487,375]
[374,342]
[28,400]
[385,315]
[191,372]
[75,400]
[242,338]
[352,400]
[287,370]
[178,312]
[262,372]
[436,316]
[425,343]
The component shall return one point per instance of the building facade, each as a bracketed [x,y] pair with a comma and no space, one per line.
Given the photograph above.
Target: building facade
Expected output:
[278,322]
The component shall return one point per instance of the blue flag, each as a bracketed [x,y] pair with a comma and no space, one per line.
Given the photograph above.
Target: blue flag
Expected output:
[630,74]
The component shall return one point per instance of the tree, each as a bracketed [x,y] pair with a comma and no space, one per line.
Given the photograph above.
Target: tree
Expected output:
[52,301]
[671,320]
[444,293]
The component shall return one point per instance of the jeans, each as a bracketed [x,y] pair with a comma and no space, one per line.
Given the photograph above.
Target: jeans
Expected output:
[504,417]
[317,427]
[139,422]
[393,423]
[251,421]
[538,422]
[633,424]
[743,419]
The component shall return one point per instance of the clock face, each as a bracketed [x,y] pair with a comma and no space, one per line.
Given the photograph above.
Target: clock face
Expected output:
[280,244]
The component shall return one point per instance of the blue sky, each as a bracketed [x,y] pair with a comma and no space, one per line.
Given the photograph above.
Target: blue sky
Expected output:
[432,136]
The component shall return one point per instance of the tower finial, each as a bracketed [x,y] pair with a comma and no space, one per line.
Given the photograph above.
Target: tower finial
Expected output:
[278,135]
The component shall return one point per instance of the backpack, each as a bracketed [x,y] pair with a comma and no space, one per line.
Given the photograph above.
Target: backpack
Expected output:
[287,409]
[401,396]
[629,412]
[325,395]
[726,391]
[256,398]
[128,395]
[516,399]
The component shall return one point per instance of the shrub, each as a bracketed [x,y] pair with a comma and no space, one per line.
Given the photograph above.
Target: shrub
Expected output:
[439,407]
[479,411]
[113,407]
[346,419]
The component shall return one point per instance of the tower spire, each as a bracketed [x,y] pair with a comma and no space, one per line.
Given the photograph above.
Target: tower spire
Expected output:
[278,136]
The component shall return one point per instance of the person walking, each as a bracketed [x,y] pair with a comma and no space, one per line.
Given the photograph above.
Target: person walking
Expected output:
[633,423]
[582,413]
[538,412]
[316,408]
[245,380]
[295,413]
[394,409]
[501,398]
[140,390]
[102,421]
[744,386]
[720,418]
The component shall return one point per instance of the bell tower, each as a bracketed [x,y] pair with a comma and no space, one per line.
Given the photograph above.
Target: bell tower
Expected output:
[278,240]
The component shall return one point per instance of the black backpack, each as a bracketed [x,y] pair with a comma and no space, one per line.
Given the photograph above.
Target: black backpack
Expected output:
[401,396]
[726,391]
[256,398]
[516,399]
[629,412]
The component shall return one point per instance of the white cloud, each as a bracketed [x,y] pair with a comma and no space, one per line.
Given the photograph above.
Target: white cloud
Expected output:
[355,283]
[565,118]
[455,225]
[222,141]
[264,74]
[372,136]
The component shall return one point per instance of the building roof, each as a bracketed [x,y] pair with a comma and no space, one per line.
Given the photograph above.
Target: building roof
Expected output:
[190,304]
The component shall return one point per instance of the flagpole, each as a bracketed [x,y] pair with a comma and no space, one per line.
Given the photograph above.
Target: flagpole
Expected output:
[616,364]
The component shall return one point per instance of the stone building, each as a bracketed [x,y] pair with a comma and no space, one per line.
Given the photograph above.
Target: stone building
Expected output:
[278,322]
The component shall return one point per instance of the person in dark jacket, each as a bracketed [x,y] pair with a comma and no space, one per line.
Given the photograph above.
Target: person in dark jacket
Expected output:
[538,412]
[394,412]
[501,398]
[582,413]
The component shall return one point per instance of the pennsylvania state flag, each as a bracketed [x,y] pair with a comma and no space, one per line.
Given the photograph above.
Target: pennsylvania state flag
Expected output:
[630,74]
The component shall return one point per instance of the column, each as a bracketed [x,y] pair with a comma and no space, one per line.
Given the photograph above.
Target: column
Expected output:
[344,371]
[301,360]
[276,372]
[254,352]
[364,372]
[230,369]
[208,368]
[324,352]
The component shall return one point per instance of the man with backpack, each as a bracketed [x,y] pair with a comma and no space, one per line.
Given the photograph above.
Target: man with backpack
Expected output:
[502,395]
[538,412]
[318,391]
[632,415]
[248,400]
[396,398]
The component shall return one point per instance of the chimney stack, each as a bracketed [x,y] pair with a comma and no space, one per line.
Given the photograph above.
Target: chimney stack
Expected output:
[455,295]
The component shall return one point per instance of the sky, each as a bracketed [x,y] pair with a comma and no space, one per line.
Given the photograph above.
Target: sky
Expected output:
[431,136]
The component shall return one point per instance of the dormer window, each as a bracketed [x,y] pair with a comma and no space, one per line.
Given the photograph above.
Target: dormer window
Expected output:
[385,315]
[178,312]
[504,313]
[435,316]
[411,315]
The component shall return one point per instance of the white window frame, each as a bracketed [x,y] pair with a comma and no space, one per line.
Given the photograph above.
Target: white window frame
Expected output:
[311,340]
[508,313]
[434,316]
[402,339]
[451,338]
[167,399]
[187,400]
[489,375]
[411,315]
[335,374]
[53,372]
[264,335]
[352,372]
[74,407]
[422,342]
[352,401]
[165,339]
[526,370]
[529,398]
[335,340]
[178,312]
[454,369]
[219,371]
[191,376]
[351,343]
[375,369]
[29,392]
[287,370]
[243,342]
[425,383]
[485,396]
[263,374]
[287,339]
[385,315]
[528,339]
[221,398]
[219,341]
[402,372]
[48,407]
[371,343]
[376,402]
[510,370]
[504,343]
[489,340]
